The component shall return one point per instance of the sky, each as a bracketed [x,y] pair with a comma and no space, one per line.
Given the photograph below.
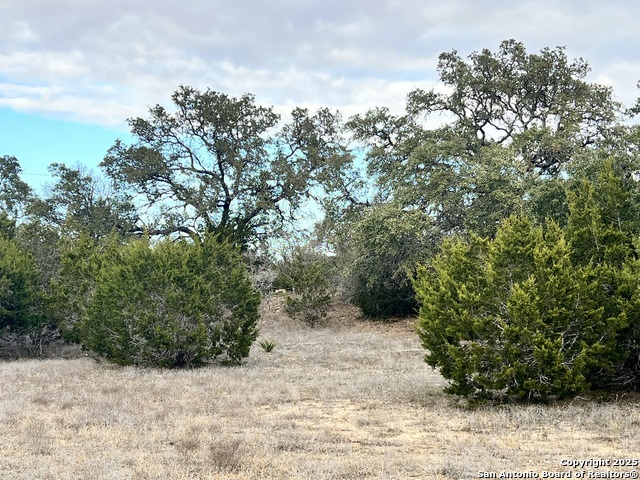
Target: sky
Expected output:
[73,71]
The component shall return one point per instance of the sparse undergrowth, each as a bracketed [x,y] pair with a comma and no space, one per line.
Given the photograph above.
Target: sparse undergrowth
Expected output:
[268,345]
[351,400]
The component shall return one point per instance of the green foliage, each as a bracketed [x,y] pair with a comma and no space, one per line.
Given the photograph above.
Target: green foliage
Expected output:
[547,200]
[170,304]
[308,278]
[7,226]
[20,300]
[73,288]
[627,374]
[514,318]
[603,228]
[514,121]
[42,241]
[268,345]
[540,312]
[215,165]
[81,201]
[522,129]
[384,247]
[538,101]
[14,193]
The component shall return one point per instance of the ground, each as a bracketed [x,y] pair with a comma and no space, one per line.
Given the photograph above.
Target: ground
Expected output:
[351,399]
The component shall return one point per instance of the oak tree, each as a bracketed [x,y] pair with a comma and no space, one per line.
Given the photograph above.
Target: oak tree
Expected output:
[506,120]
[219,164]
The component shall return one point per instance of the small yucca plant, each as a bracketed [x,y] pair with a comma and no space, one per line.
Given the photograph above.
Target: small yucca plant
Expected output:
[268,345]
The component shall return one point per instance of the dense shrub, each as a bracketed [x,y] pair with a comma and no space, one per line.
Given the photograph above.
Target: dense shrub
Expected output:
[540,312]
[20,301]
[308,278]
[385,246]
[73,287]
[25,328]
[627,374]
[171,304]
[603,229]
[513,317]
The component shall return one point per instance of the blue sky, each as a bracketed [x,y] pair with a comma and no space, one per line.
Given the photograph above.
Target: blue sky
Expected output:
[72,71]
[38,141]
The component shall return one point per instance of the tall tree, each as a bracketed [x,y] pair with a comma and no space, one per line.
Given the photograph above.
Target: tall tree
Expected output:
[14,193]
[508,120]
[80,200]
[540,102]
[217,164]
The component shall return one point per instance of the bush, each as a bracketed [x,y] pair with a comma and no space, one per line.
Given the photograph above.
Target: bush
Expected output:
[36,341]
[23,328]
[514,318]
[540,313]
[73,287]
[307,276]
[385,246]
[20,302]
[627,374]
[171,304]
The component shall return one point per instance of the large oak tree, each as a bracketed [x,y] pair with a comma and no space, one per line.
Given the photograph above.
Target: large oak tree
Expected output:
[469,155]
[217,163]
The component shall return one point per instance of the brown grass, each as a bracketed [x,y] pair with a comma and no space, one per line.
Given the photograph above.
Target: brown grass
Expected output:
[349,400]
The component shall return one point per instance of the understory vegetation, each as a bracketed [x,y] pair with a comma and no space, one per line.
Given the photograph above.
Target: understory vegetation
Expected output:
[504,213]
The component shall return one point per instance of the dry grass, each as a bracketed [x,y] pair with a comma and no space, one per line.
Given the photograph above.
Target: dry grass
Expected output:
[349,400]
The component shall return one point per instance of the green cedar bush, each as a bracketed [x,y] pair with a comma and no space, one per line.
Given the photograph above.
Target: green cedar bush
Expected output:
[307,276]
[627,375]
[540,312]
[73,287]
[603,230]
[20,301]
[26,323]
[171,304]
[514,318]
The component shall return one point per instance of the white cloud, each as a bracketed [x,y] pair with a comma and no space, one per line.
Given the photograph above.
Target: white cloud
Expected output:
[101,62]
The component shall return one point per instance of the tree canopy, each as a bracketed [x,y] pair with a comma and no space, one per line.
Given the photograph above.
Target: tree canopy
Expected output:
[218,164]
[83,201]
[14,192]
[507,120]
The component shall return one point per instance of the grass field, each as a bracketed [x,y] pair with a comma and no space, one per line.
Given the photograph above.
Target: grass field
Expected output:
[349,400]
